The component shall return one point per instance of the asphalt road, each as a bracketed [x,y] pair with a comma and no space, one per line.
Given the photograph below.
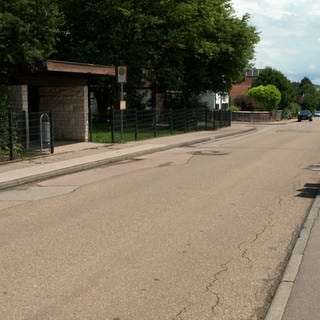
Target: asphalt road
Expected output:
[193,233]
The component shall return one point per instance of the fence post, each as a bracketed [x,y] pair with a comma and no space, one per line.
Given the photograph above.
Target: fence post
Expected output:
[90,117]
[224,118]
[221,119]
[206,119]
[154,116]
[194,120]
[185,119]
[214,119]
[223,115]
[27,129]
[10,131]
[154,106]
[171,120]
[112,124]
[51,133]
[136,124]
[217,118]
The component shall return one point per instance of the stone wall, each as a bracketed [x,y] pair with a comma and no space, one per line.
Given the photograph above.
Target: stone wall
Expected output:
[257,116]
[69,107]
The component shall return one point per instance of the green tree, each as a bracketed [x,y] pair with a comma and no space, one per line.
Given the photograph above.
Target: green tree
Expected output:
[307,95]
[188,46]
[310,99]
[268,96]
[303,85]
[28,31]
[275,77]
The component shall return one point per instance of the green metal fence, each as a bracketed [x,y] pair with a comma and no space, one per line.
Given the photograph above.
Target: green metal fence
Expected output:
[136,124]
[26,134]
[23,134]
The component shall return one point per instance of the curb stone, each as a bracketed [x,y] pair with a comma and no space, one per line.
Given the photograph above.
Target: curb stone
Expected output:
[282,295]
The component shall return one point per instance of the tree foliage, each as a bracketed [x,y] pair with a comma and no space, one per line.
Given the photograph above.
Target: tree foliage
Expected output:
[307,96]
[28,31]
[269,96]
[190,46]
[275,77]
[182,45]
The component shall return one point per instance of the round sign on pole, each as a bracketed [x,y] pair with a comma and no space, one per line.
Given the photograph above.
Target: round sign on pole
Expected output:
[122,74]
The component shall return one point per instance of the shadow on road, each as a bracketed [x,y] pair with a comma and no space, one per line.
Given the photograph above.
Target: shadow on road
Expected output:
[310,190]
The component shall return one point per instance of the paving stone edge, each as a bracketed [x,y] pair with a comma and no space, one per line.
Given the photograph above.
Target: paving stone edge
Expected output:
[283,292]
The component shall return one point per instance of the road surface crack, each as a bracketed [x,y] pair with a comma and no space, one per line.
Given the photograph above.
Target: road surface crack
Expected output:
[244,256]
[180,313]
[223,269]
[259,234]
[209,289]
[244,251]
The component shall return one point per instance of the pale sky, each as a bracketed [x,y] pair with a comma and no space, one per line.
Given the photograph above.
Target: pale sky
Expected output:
[289,35]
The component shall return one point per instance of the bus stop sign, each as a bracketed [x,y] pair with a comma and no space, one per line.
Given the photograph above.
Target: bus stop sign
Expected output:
[122,74]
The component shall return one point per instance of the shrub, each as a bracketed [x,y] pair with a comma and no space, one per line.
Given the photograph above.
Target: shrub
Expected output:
[245,103]
[294,108]
[269,96]
[234,108]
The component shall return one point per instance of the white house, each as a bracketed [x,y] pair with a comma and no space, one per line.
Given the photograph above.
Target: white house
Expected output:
[215,101]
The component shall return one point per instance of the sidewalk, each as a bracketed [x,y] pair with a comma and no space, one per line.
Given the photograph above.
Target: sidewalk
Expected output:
[304,300]
[80,156]
[298,294]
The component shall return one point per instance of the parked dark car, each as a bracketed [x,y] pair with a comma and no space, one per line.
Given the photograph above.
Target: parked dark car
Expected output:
[305,115]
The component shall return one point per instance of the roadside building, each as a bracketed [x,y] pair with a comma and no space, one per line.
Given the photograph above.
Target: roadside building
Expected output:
[241,88]
[61,88]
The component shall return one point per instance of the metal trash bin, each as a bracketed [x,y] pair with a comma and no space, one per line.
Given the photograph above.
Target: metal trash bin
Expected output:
[45,131]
